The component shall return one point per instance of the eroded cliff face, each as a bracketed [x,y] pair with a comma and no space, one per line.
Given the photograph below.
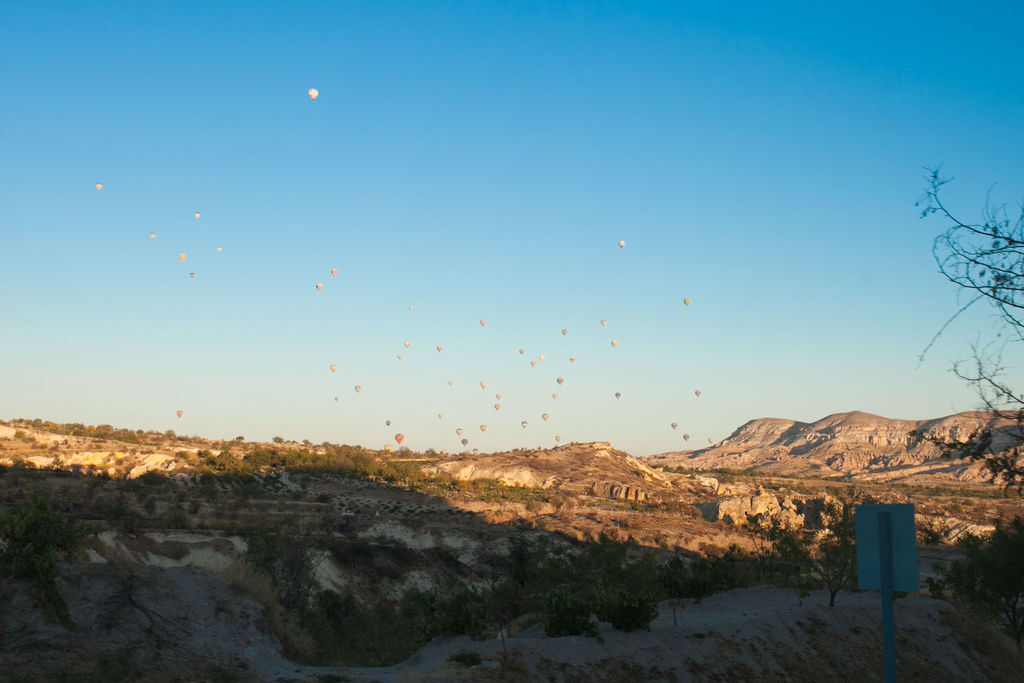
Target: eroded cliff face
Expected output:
[855,444]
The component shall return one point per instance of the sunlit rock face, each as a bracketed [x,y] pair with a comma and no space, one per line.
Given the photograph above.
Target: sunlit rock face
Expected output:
[856,445]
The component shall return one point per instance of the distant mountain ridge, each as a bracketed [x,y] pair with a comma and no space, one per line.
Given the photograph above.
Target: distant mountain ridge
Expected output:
[855,444]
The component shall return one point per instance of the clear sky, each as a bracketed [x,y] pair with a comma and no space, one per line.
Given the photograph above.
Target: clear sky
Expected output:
[482,160]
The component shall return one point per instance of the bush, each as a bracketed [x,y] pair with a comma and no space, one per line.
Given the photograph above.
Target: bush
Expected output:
[32,539]
[566,614]
[626,609]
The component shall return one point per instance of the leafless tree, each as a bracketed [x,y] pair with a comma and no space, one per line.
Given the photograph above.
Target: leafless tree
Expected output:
[986,260]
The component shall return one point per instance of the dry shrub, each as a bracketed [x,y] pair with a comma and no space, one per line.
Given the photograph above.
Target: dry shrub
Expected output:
[297,644]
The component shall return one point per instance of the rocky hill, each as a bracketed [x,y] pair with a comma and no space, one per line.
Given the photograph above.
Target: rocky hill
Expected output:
[854,445]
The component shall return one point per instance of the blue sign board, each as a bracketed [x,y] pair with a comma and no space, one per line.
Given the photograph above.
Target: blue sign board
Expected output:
[903,544]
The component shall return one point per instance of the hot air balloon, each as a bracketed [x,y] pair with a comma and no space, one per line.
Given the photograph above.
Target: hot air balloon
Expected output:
[618,395]
[709,440]
[179,413]
[572,359]
[603,323]
[440,416]
[554,395]
[333,367]
[558,438]
[541,358]
[387,449]
[686,437]
[674,425]
[406,344]
[399,438]
[622,243]
[313,94]
[219,249]
[182,257]
[152,235]
[497,406]
[99,186]
[483,323]
[697,393]
[686,302]
[523,423]
[560,380]
[465,441]
[615,344]
[196,214]
[387,422]
[545,417]
[399,356]
[483,428]
[334,272]
[459,431]
[358,388]
[335,398]
[319,287]
[192,275]
[450,382]
[483,385]
[533,363]
[497,396]
[564,331]
[438,347]
[410,308]
[522,351]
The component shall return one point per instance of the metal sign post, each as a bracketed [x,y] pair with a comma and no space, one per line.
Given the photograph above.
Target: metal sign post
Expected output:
[887,561]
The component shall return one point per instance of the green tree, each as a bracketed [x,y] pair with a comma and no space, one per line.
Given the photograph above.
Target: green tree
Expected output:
[828,553]
[990,578]
[32,539]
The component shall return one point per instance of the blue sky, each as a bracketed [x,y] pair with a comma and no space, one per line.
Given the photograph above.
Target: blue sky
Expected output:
[482,160]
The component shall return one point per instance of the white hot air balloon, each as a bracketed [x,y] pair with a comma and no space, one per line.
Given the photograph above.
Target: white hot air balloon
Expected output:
[99,186]
[313,94]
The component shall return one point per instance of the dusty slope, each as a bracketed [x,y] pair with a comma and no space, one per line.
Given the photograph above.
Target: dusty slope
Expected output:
[183,624]
[854,444]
